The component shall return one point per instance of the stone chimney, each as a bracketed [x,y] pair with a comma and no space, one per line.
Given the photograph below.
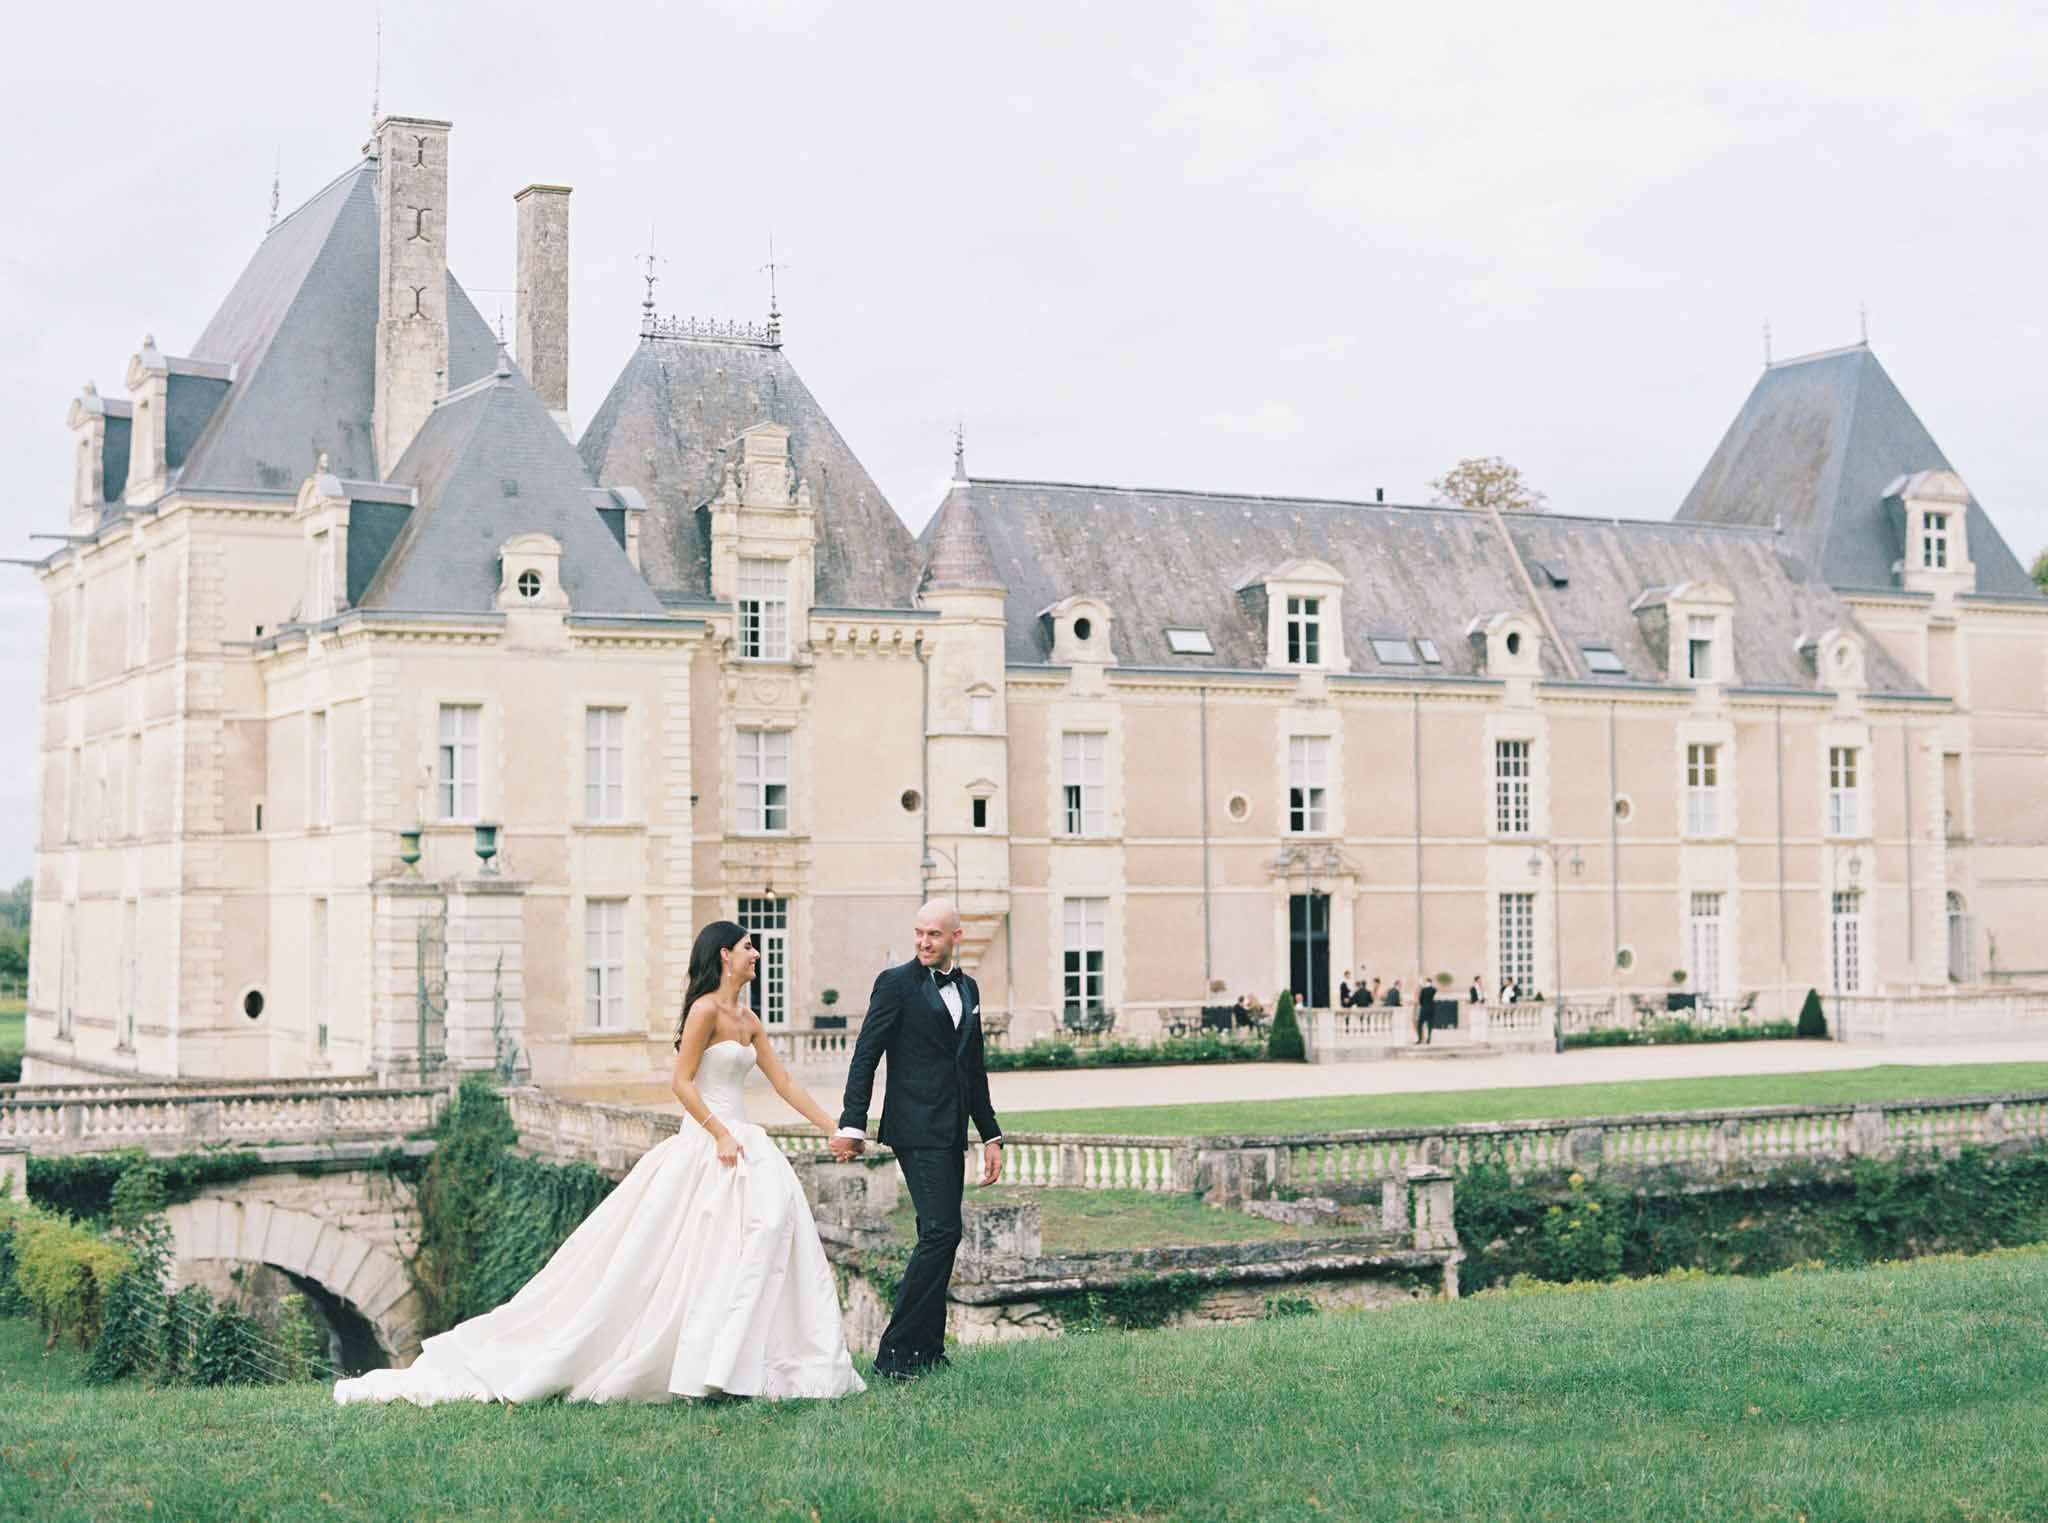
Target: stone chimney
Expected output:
[412,288]
[543,332]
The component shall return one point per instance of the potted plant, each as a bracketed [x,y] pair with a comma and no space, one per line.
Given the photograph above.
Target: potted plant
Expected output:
[828,1021]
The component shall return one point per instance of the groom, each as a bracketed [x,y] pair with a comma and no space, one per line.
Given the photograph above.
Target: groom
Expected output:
[925,1016]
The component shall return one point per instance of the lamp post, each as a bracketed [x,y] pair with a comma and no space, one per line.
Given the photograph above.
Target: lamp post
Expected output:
[1554,851]
[930,866]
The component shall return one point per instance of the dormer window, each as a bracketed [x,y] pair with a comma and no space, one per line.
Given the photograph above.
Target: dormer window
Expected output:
[1189,642]
[764,610]
[529,585]
[1934,541]
[1304,631]
[1602,660]
[1430,657]
[1393,652]
[1699,648]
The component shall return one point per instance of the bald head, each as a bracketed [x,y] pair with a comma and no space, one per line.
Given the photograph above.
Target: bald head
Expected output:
[937,932]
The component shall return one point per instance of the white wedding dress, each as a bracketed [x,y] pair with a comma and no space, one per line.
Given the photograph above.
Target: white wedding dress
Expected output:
[691,1279]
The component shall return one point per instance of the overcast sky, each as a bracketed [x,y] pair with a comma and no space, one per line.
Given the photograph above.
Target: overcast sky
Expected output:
[1266,248]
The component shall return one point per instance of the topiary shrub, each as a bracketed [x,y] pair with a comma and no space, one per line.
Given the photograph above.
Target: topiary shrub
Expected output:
[1812,1021]
[1283,1041]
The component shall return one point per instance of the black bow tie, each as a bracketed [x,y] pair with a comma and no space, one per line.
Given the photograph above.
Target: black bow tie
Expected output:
[944,978]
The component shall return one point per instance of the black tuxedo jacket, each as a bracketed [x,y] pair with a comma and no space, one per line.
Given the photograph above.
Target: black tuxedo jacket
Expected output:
[938,1076]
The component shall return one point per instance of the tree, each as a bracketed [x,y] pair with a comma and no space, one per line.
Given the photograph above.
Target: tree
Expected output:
[2040,571]
[15,904]
[1811,1022]
[1283,1042]
[1487,482]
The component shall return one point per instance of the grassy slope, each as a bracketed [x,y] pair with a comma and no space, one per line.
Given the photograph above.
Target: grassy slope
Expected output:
[1444,1107]
[1898,1393]
[13,1025]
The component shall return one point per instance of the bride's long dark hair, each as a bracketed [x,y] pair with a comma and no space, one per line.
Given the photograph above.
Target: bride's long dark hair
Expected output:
[707,968]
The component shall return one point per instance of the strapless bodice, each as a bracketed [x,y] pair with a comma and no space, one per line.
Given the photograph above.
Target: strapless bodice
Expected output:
[721,1077]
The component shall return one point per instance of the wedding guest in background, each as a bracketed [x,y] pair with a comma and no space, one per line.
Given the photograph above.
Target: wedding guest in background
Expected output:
[1476,995]
[1425,1011]
[1344,990]
[1393,994]
[1372,996]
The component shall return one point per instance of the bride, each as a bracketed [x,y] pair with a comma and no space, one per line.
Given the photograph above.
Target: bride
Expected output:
[700,1275]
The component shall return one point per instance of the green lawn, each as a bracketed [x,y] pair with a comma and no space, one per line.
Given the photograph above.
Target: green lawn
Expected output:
[13,1025]
[1084,1221]
[1902,1393]
[1894,1081]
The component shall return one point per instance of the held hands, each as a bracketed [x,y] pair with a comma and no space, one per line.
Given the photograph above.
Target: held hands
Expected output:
[991,1163]
[846,1149]
[729,1150]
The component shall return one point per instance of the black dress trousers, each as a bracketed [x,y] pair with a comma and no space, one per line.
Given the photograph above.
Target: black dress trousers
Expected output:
[916,1334]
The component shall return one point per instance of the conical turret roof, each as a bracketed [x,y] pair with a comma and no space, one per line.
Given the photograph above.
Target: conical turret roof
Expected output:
[957,552]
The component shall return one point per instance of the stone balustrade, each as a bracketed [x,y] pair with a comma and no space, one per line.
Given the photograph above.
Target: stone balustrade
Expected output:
[1377,1031]
[162,1121]
[830,1050]
[1893,1020]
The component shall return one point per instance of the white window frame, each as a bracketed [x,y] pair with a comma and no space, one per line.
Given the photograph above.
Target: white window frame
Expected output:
[1083,789]
[458,791]
[1308,785]
[1845,793]
[1084,957]
[761,776]
[1934,540]
[318,994]
[1703,788]
[1516,916]
[138,612]
[762,604]
[604,763]
[1514,767]
[1704,941]
[1701,638]
[320,804]
[604,964]
[1845,941]
[767,922]
[1302,634]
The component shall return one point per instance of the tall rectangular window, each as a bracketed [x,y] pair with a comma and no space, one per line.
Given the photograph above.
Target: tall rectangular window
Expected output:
[1308,773]
[319,996]
[1702,790]
[604,764]
[1846,942]
[1081,774]
[604,964]
[1304,631]
[1705,937]
[764,780]
[1511,787]
[1934,541]
[979,808]
[461,732]
[767,921]
[321,808]
[1699,648]
[1518,941]
[1083,958]
[1845,814]
[764,610]
[131,964]
[138,611]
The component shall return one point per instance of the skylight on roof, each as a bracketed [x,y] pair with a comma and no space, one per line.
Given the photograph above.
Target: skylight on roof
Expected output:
[1394,652]
[1189,642]
[1601,658]
[1428,649]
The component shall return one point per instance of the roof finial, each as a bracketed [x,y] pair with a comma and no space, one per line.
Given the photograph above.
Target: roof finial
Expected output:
[774,309]
[960,449]
[1767,343]
[1863,321]
[647,304]
[377,77]
[276,180]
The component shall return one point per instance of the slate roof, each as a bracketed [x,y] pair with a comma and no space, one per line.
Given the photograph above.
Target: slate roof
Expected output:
[1174,559]
[957,553]
[299,328]
[678,403]
[1817,442]
[488,464]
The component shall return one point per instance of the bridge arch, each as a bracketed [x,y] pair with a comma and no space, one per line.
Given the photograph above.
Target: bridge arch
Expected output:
[350,1265]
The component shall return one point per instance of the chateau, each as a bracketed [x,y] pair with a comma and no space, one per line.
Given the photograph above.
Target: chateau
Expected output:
[384,721]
